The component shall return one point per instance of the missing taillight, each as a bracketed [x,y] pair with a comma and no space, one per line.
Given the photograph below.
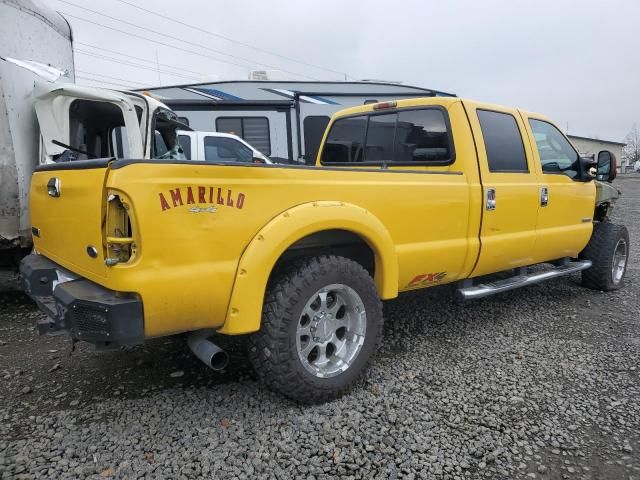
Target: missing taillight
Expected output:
[119,241]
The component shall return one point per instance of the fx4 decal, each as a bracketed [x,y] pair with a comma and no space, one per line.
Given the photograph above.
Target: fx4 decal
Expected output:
[426,279]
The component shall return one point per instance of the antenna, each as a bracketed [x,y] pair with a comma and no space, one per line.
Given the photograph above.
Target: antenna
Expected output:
[158,65]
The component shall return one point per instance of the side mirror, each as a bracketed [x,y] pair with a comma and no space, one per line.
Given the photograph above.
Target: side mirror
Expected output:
[257,160]
[607,166]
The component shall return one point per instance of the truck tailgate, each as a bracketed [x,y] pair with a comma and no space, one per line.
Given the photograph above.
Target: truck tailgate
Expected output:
[67,215]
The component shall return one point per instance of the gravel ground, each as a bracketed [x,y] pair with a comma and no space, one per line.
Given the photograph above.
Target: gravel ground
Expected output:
[537,383]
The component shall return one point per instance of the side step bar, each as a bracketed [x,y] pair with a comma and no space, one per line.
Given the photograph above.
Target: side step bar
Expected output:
[471,292]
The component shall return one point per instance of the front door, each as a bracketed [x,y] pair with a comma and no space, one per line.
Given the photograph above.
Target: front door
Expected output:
[509,187]
[565,220]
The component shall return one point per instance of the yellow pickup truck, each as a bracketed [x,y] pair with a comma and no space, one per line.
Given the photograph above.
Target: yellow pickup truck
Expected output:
[404,195]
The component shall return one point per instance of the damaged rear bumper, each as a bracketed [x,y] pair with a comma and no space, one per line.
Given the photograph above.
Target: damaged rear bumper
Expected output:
[80,308]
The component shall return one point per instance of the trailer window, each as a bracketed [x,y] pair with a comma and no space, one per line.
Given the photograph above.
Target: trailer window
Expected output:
[503,142]
[314,127]
[254,130]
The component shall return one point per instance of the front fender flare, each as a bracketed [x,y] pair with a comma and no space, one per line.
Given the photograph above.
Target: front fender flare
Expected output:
[258,259]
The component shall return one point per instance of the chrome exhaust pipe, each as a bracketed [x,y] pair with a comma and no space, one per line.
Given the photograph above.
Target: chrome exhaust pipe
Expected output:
[208,352]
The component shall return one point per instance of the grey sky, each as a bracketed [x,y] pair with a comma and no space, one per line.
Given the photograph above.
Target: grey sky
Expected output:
[576,61]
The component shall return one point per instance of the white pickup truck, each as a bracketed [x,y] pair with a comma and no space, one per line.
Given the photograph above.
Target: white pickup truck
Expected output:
[216,147]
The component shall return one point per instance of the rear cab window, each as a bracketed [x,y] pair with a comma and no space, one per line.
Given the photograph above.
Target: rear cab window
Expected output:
[410,136]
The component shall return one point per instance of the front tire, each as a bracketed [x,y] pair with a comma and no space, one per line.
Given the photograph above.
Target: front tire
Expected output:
[608,250]
[321,325]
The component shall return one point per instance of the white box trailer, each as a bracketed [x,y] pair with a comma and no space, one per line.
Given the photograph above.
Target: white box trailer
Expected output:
[31,31]
[285,120]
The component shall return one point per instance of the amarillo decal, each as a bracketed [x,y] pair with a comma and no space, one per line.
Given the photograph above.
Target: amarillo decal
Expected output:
[425,279]
[180,196]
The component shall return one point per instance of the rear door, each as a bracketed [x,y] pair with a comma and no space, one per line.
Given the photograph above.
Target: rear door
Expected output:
[565,220]
[510,188]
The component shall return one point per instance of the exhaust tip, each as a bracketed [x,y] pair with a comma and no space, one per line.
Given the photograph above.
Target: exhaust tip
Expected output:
[208,352]
[219,360]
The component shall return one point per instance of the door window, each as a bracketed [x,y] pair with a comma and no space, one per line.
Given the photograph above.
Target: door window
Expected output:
[556,153]
[224,149]
[185,143]
[119,142]
[160,146]
[502,141]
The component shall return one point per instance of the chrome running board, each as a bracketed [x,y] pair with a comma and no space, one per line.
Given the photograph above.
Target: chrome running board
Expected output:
[468,291]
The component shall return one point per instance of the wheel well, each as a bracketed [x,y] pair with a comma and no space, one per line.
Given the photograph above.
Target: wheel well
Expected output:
[601,212]
[329,242]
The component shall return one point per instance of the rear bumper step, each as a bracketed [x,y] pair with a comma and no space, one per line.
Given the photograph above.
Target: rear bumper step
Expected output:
[82,309]
[521,280]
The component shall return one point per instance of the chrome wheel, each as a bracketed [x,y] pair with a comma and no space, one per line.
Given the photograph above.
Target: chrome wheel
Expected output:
[331,330]
[619,262]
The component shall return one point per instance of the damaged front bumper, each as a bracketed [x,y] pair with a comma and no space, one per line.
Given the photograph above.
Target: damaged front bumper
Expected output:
[80,308]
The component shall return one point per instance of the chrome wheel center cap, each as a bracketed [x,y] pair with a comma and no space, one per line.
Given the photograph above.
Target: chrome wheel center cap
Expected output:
[322,326]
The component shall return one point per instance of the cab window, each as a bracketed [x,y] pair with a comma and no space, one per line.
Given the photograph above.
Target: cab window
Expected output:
[557,155]
[345,141]
[419,136]
[502,142]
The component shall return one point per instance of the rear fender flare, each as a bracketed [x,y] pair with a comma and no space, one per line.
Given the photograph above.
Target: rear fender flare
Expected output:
[244,311]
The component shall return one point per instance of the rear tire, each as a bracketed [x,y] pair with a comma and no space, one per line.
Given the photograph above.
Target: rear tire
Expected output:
[608,250]
[321,325]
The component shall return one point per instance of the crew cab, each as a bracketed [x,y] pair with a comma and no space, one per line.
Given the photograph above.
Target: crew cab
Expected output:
[404,195]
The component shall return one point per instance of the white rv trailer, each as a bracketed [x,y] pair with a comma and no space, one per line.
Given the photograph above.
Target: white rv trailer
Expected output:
[31,32]
[285,120]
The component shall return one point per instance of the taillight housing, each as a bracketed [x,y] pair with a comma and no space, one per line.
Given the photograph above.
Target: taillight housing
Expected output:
[119,239]
[385,105]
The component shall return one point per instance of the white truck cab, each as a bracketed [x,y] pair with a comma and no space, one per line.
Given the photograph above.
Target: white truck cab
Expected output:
[79,123]
[218,147]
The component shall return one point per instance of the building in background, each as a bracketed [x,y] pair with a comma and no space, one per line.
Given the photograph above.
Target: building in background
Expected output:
[588,147]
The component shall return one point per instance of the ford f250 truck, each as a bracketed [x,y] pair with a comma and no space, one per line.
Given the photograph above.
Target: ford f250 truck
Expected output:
[404,195]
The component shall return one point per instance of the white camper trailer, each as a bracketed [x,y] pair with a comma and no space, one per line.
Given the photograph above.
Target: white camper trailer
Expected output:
[285,120]
[32,34]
